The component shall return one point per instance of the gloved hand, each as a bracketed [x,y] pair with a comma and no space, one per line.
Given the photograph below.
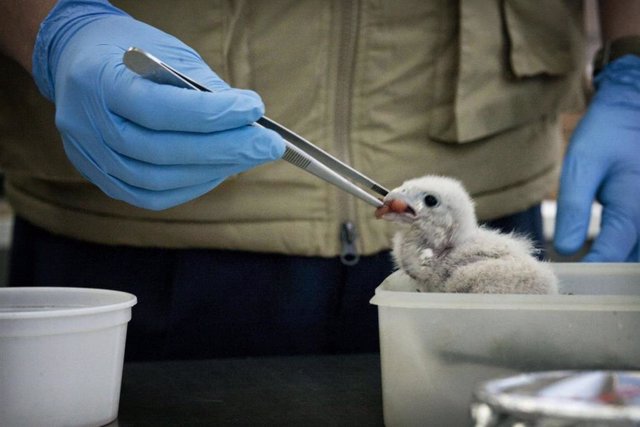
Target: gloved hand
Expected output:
[603,162]
[153,146]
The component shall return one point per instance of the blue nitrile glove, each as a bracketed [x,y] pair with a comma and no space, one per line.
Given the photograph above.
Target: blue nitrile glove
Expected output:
[153,146]
[603,162]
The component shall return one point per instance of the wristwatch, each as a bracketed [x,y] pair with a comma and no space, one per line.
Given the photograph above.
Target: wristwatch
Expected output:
[614,49]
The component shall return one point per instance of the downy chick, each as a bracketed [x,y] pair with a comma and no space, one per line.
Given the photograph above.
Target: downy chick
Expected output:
[443,249]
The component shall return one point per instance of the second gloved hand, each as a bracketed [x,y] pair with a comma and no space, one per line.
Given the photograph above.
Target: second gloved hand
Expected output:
[603,163]
[153,146]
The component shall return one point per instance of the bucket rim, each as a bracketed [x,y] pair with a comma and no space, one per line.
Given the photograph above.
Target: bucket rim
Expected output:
[126,300]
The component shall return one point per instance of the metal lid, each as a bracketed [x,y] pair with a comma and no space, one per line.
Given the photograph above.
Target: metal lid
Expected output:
[573,395]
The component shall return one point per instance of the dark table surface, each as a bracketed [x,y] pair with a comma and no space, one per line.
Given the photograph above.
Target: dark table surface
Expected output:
[340,390]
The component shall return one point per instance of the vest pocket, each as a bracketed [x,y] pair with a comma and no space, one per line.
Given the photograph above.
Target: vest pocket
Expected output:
[544,37]
[517,62]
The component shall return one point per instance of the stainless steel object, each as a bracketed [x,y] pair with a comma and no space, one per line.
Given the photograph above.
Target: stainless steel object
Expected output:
[560,399]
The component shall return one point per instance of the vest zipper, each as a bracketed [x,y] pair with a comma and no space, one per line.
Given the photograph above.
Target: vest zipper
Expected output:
[349,252]
[344,90]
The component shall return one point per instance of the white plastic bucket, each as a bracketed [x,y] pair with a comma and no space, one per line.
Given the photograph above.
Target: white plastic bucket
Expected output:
[61,355]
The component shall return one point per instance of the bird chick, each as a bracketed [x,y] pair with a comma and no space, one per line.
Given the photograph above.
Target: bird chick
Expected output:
[443,249]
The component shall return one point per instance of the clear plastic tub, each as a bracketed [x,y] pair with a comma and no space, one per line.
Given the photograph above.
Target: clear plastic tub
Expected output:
[436,348]
[61,355]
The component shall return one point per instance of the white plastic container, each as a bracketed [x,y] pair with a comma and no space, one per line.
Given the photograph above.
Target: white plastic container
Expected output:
[61,355]
[436,348]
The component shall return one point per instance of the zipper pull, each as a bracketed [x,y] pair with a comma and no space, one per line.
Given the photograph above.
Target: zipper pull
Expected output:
[349,253]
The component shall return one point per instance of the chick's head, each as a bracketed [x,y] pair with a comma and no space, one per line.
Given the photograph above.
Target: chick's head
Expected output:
[436,207]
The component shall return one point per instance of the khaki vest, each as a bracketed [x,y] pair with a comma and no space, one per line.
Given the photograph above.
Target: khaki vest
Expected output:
[397,89]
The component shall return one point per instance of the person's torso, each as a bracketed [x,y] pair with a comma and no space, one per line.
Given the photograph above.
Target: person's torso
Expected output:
[395,89]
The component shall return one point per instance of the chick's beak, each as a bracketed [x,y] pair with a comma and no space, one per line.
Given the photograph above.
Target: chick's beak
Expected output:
[396,209]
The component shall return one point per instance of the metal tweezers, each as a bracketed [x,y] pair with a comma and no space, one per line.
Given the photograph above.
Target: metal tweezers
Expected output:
[298,152]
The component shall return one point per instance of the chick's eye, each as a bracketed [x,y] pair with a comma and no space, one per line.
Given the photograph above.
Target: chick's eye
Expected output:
[430,200]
